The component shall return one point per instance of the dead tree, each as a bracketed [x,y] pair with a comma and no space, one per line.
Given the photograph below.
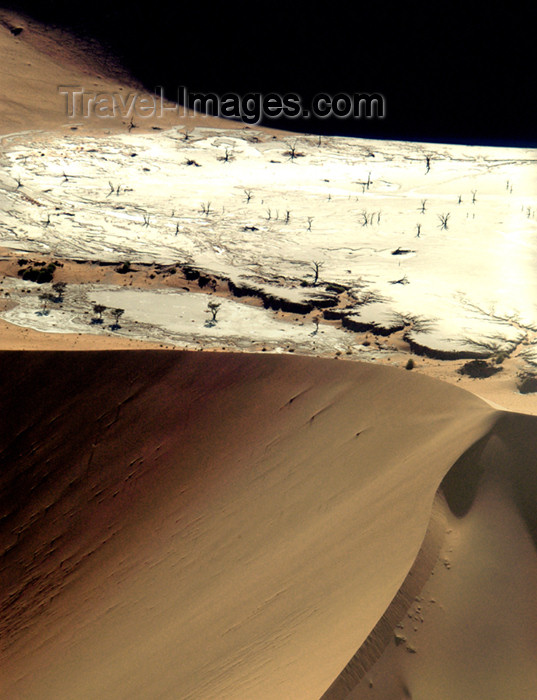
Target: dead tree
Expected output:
[444,218]
[316,266]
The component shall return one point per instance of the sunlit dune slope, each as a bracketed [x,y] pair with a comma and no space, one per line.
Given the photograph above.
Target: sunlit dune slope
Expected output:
[35,63]
[38,59]
[208,526]
[464,623]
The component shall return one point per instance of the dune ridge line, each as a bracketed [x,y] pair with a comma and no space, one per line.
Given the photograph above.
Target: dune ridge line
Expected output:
[257,513]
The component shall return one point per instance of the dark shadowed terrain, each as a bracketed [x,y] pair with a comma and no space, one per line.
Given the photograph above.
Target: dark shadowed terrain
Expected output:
[448,73]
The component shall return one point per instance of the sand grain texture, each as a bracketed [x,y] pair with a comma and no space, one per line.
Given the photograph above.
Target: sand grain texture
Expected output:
[205,525]
[464,623]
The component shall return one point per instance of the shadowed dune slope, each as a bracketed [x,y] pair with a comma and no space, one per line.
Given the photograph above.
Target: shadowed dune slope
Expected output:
[38,59]
[35,63]
[206,526]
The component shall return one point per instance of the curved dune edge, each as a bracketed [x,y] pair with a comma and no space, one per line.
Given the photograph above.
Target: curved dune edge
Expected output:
[40,59]
[390,627]
[463,624]
[199,525]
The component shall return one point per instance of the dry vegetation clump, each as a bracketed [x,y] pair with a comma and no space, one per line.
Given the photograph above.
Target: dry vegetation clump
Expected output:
[479,369]
[38,272]
[527,383]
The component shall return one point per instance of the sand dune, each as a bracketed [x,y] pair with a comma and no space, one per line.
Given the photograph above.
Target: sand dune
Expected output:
[210,526]
[204,525]
[38,59]
[464,622]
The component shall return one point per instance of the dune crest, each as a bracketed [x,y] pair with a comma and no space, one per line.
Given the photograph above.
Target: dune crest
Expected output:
[210,525]
[464,622]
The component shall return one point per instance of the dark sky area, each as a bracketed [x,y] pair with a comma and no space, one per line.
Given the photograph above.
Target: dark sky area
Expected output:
[448,72]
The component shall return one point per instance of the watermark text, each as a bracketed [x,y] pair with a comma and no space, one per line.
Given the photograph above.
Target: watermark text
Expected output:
[251,108]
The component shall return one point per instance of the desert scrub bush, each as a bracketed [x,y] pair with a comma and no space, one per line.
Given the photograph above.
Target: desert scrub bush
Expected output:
[36,273]
[527,383]
[124,268]
[478,369]
[410,364]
